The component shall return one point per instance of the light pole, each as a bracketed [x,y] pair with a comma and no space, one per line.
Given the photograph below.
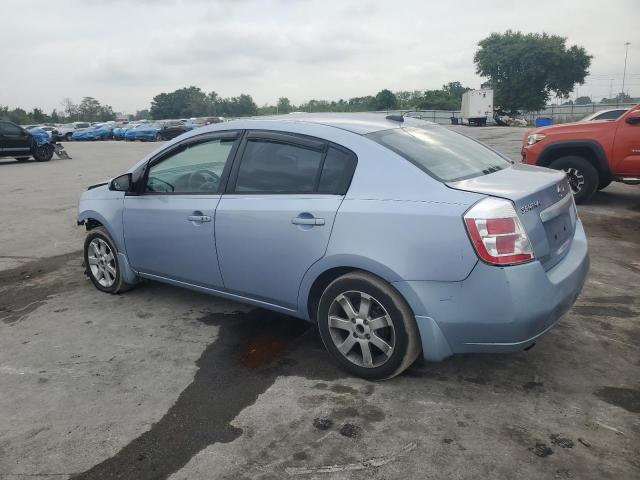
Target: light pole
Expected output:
[624,74]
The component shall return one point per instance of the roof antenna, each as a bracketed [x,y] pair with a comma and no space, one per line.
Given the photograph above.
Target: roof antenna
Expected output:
[395,118]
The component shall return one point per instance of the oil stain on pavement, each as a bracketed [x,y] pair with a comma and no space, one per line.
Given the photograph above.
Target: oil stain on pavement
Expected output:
[242,363]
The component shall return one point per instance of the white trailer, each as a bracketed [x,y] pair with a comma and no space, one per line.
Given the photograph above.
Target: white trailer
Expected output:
[477,106]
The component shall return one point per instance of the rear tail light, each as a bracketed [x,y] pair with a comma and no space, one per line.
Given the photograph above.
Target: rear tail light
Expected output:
[496,232]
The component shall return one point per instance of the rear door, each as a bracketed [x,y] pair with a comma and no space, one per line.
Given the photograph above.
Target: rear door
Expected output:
[169,223]
[14,140]
[276,218]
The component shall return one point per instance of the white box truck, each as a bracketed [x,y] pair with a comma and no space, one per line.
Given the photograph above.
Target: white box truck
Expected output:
[477,106]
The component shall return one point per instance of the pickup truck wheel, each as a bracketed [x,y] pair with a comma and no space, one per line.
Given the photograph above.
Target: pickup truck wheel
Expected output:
[583,177]
[43,153]
[367,326]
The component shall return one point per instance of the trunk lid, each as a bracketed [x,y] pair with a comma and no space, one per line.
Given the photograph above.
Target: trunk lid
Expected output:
[543,201]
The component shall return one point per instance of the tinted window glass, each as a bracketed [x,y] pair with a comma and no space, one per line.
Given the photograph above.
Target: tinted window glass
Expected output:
[274,167]
[10,129]
[612,115]
[337,171]
[443,154]
[195,169]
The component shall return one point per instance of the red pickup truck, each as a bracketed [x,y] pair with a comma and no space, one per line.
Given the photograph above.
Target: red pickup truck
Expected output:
[593,153]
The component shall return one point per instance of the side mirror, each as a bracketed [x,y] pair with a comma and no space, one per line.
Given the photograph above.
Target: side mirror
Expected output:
[122,183]
[633,118]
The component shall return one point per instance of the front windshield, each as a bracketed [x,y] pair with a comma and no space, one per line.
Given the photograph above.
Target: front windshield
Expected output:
[443,154]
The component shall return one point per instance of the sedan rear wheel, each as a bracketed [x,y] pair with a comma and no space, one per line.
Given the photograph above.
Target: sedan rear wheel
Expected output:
[367,326]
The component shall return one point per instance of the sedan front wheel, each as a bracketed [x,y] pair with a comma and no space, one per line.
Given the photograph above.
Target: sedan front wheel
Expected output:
[101,262]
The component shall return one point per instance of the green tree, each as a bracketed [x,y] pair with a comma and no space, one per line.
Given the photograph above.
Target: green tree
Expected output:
[89,109]
[525,70]
[142,115]
[583,100]
[385,100]
[181,103]
[455,90]
[284,105]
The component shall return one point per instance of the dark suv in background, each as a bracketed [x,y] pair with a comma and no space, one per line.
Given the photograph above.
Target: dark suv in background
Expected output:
[173,128]
[22,144]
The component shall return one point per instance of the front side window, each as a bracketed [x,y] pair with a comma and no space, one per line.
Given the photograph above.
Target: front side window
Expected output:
[443,154]
[276,167]
[195,168]
[10,129]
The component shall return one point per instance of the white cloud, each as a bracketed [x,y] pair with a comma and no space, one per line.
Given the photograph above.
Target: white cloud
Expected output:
[125,52]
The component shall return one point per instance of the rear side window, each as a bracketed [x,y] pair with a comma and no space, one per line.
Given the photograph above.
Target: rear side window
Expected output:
[443,154]
[337,171]
[274,167]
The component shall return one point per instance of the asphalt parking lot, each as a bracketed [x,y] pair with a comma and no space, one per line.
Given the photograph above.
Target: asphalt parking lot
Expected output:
[165,383]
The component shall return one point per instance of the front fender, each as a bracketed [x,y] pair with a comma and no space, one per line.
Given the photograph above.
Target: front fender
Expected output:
[104,206]
[547,153]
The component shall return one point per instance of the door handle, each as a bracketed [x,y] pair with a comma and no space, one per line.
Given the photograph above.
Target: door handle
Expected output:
[307,221]
[199,218]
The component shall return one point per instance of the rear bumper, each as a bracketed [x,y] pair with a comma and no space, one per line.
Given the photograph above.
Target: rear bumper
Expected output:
[496,309]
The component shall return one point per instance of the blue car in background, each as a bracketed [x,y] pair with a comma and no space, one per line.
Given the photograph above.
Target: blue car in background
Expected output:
[97,132]
[118,132]
[40,136]
[395,236]
[146,132]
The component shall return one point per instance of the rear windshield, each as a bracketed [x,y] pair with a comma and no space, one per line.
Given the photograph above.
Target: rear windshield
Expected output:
[443,154]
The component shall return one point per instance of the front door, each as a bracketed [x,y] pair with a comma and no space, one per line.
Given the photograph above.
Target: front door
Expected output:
[276,219]
[14,140]
[626,149]
[169,223]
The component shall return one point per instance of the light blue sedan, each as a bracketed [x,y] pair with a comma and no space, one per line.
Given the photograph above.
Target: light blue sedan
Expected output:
[397,237]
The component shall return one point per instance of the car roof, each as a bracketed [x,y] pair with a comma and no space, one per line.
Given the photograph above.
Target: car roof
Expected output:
[360,123]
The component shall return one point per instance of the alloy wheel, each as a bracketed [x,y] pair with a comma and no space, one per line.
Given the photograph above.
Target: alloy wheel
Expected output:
[576,179]
[102,262]
[361,329]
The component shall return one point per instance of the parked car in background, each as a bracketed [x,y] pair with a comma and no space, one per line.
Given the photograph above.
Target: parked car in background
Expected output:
[97,132]
[22,144]
[66,130]
[118,132]
[396,237]
[47,128]
[612,114]
[173,128]
[593,154]
[146,132]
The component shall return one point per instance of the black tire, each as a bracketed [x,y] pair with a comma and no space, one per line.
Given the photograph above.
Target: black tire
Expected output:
[43,153]
[583,176]
[22,159]
[67,137]
[118,285]
[604,183]
[158,138]
[402,334]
